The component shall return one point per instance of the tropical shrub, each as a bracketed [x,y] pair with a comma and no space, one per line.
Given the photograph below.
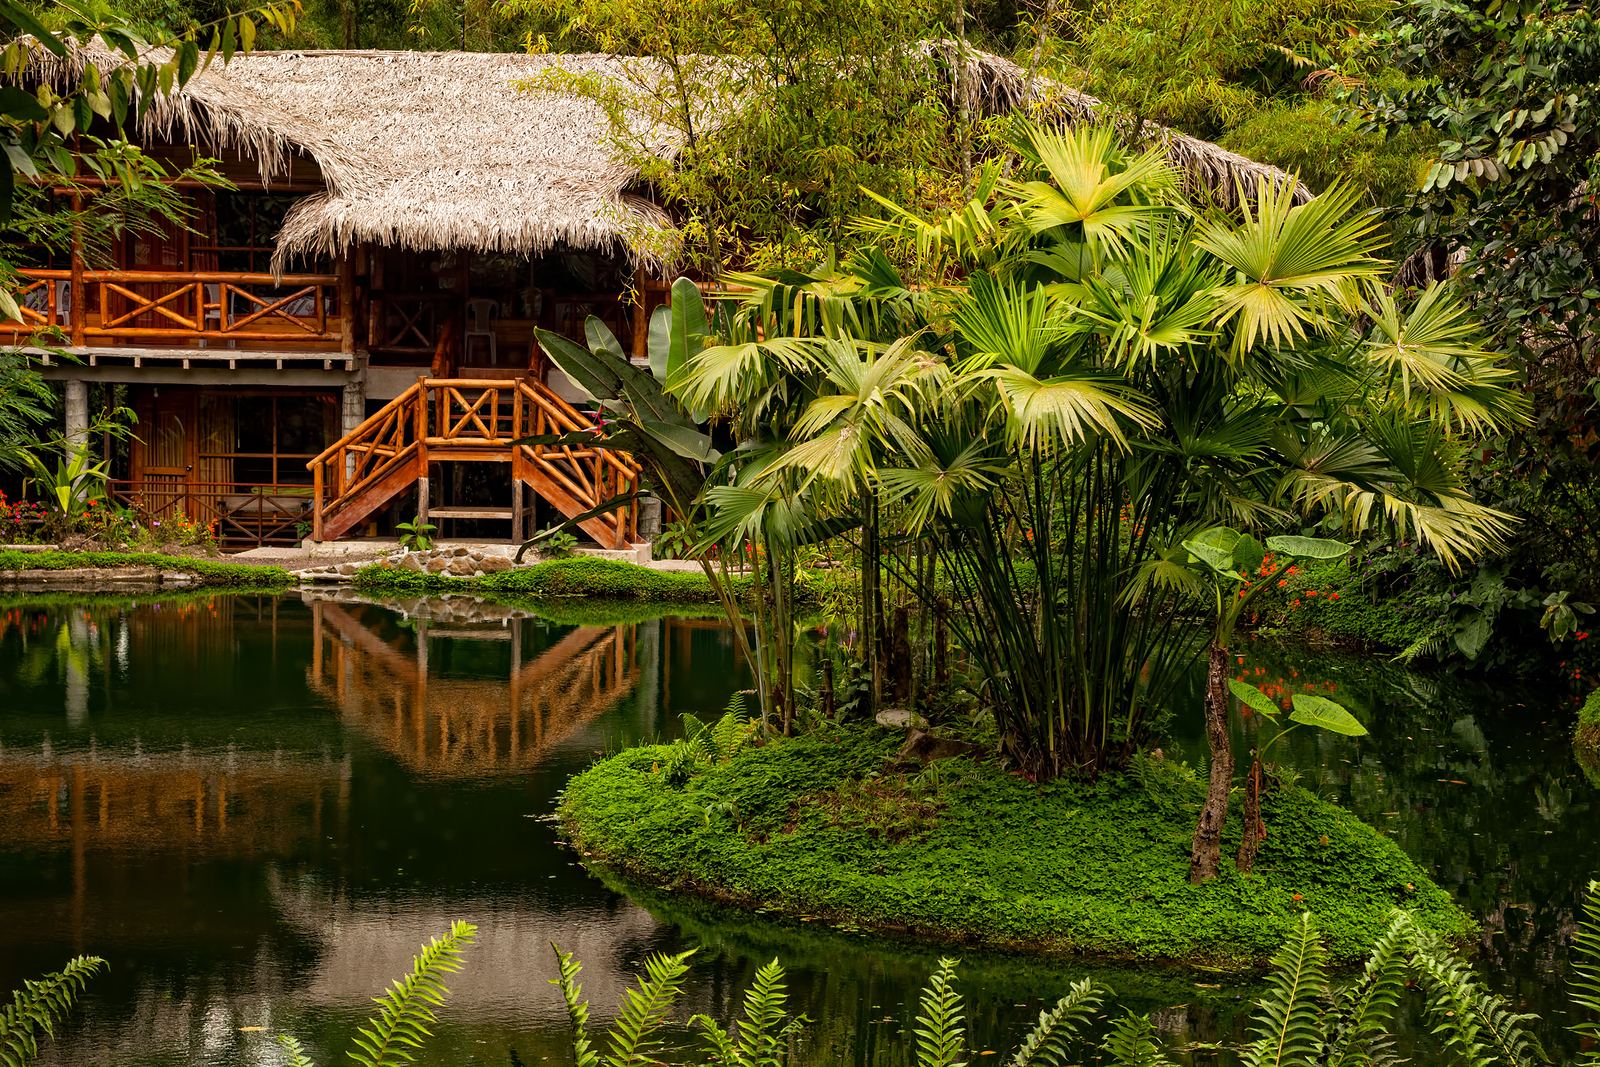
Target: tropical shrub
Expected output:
[1118,373]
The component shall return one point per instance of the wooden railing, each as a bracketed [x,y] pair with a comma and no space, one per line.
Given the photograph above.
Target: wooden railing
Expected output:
[465,420]
[242,514]
[199,306]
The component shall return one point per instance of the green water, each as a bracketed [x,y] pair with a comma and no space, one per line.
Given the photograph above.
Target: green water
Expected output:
[257,808]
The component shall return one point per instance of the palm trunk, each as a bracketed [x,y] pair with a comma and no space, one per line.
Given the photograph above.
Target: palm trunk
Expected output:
[1205,857]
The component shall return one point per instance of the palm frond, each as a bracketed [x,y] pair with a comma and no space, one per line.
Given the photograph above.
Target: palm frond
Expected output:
[1299,263]
[941,1038]
[1442,373]
[38,1006]
[406,1008]
[1046,1043]
[1287,1028]
[1094,192]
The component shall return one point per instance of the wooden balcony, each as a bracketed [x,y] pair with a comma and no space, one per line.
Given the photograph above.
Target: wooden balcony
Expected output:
[311,314]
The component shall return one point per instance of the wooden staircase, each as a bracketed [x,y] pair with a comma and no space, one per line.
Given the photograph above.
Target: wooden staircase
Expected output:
[443,420]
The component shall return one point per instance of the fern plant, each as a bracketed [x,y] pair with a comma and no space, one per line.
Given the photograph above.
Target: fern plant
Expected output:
[634,1040]
[940,1036]
[1586,975]
[405,1010]
[38,1006]
[764,1032]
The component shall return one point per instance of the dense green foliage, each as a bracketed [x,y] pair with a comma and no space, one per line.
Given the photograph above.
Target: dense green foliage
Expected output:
[823,825]
[209,571]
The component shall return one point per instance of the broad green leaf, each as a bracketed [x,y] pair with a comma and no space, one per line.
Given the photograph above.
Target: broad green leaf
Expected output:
[1247,554]
[19,17]
[1322,712]
[1219,560]
[1308,547]
[660,341]
[601,339]
[688,325]
[683,439]
[1253,698]
[16,104]
[1471,638]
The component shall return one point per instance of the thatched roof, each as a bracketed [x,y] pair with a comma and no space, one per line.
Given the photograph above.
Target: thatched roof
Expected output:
[440,150]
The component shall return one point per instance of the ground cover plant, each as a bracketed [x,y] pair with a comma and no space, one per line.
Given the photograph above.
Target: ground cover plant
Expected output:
[828,825]
[209,572]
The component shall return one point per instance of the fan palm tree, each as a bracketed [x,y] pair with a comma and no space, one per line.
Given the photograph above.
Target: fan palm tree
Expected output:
[1116,373]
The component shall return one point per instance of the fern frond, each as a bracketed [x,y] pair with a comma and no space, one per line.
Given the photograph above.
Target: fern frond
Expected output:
[38,1006]
[764,1013]
[1361,1017]
[1586,975]
[940,1035]
[1288,1028]
[1476,1025]
[720,1048]
[1132,1043]
[1045,1045]
[633,1042]
[577,1007]
[295,1051]
[406,1008]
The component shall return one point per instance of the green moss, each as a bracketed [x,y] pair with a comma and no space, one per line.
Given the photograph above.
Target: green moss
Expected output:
[1589,713]
[1586,741]
[586,577]
[817,827]
[211,573]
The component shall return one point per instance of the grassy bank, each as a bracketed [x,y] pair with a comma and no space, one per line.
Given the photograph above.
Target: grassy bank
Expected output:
[580,577]
[824,827]
[211,573]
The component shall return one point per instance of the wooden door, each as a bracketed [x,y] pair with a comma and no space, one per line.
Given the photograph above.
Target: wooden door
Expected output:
[168,455]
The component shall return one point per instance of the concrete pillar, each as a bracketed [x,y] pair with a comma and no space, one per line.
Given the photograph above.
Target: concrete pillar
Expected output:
[77,413]
[352,413]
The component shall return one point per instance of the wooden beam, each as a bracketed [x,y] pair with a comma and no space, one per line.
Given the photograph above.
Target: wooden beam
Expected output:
[347,303]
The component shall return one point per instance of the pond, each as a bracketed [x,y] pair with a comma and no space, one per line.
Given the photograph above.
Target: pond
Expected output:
[257,808]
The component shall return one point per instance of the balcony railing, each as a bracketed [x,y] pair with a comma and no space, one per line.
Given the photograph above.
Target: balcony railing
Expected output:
[142,307]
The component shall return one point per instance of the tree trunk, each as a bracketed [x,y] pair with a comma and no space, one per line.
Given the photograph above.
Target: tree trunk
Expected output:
[941,643]
[1254,830]
[1205,857]
[900,654]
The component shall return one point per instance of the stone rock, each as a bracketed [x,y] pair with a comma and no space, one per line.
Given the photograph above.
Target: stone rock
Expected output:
[923,747]
[179,578]
[410,562]
[463,567]
[476,556]
[437,565]
[461,552]
[348,568]
[81,543]
[495,564]
[898,719]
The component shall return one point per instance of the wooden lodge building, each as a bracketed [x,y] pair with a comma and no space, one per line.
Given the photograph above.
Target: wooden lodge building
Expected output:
[345,338]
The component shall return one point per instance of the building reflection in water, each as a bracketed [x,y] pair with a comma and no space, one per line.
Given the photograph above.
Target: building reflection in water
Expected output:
[257,809]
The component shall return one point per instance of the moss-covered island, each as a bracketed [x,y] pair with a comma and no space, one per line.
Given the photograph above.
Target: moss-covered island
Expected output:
[830,827]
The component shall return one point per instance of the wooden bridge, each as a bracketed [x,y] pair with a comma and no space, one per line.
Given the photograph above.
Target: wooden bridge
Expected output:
[442,420]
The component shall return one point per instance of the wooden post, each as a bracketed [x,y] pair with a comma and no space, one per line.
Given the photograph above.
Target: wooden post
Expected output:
[422,451]
[316,498]
[347,303]
[641,317]
[516,506]
[79,315]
